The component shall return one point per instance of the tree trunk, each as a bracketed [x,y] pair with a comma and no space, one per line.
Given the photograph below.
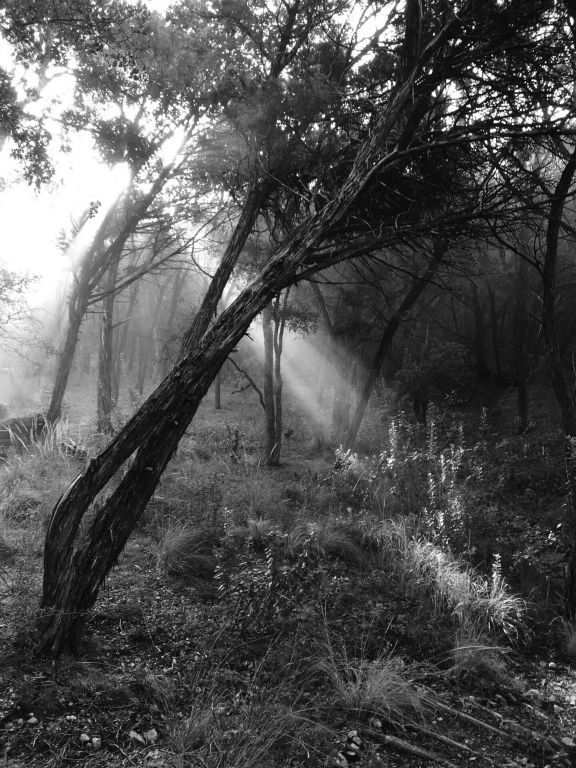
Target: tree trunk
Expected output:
[105,358]
[520,345]
[479,340]
[268,388]
[495,335]
[334,357]
[279,328]
[122,343]
[145,353]
[562,388]
[73,575]
[177,287]
[218,391]
[408,302]
[248,215]
[76,311]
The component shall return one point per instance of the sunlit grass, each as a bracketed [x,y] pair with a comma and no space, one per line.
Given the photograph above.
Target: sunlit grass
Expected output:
[478,604]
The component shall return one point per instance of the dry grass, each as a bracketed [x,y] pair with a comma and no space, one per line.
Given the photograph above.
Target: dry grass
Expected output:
[219,730]
[479,659]
[185,551]
[383,687]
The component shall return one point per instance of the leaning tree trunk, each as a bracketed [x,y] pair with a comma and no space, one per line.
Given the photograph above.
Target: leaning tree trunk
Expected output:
[105,362]
[408,302]
[73,574]
[563,389]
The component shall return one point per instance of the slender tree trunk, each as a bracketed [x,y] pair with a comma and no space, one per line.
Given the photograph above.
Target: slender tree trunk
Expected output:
[76,311]
[218,391]
[479,340]
[105,358]
[279,328]
[74,574]
[408,302]
[563,389]
[338,360]
[248,215]
[268,388]
[177,287]
[122,342]
[495,335]
[145,353]
[520,345]
[330,348]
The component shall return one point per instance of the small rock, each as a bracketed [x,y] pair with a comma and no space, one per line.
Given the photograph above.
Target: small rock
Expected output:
[32,720]
[84,738]
[134,736]
[71,718]
[151,736]
[353,746]
[552,665]
[96,743]
[568,742]
[356,740]
[351,734]
[340,761]
[375,723]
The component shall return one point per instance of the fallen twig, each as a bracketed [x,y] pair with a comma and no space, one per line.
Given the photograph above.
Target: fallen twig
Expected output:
[444,739]
[405,746]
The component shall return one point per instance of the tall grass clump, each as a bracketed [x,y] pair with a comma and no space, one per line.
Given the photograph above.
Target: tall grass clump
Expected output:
[247,729]
[187,552]
[384,687]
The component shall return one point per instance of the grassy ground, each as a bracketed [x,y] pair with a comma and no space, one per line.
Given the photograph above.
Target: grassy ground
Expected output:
[339,609]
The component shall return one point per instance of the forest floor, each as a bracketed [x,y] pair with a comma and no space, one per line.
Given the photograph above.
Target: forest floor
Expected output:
[304,615]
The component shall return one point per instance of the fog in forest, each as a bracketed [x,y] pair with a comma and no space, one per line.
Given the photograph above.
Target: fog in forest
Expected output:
[287,383]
